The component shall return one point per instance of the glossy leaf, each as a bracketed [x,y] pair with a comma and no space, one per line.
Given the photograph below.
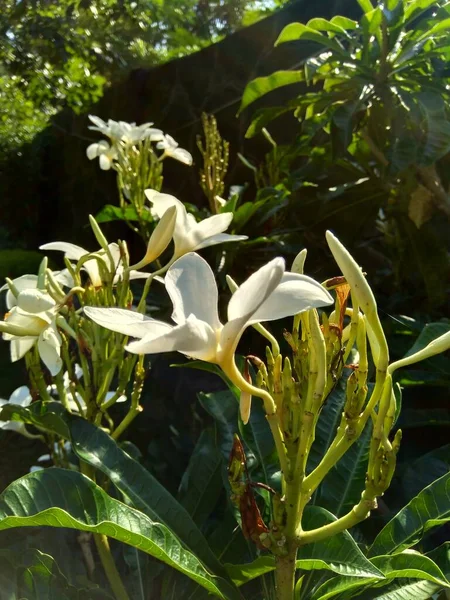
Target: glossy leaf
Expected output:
[116,213]
[263,85]
[441,556]
[406,565]
[298,31]
[428,509]
[61,498]
[97,448]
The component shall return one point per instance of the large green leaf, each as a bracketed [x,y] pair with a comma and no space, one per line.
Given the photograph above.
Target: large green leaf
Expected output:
[263,85]
[441,556]
[426,469]
[406,565]
[97,448]
[61,498]
[34,574]
[428,509]
[298,31]
[116,213]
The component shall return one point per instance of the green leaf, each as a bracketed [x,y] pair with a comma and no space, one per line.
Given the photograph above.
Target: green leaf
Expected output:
[429,333]
[406,565]
[437,143]
[344,22]
[263,117]
[439,28]
[428,509]
[441,556]
[98,449]
[298,31]
[116,213]
[261,86]
[60,498]
[417,8]
[320,24]
[402,589]
[33,574]
[426,469]
[366,5]
[241,574]
[201,484]
[339,553]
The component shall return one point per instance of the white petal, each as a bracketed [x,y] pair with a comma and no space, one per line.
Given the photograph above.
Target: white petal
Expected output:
[49,346]
[34,301]
[295,293]
[182,155]
[206,229]
[161,203]
[192,288]
[71,251]
[221,238]
[139,275]
[92,151]
[193,338]
[105,162]
[25,282]
[20,347]
[21,396]
[64,278]
[253,292]
[127,322]
[110,395]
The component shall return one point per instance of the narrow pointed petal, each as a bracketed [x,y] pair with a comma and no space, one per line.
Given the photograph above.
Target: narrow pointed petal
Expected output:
[139,275]
[295,294]
[193,338]
[21,396]
[221,238]
[126,322]
[299,262]
[19,347]
[192,288]
[253,292]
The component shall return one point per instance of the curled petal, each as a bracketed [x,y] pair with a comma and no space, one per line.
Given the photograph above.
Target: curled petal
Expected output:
[24,282]
[192,288]
[49,347]
[19,347]
[71,251]
[127,322]
[193,338]
[221,238]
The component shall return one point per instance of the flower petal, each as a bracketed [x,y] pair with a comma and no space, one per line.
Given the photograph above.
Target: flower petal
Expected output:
[221,238]
[194,338]
[192,288]
[34,301]
[49,347]
[182,155]
[71,251]
[20,347]
[105,162]
[127,322]
[258,287]
[21,396]
[294,294]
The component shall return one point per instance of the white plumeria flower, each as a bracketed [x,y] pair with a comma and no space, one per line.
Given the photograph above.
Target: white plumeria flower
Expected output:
[30,282]
[74,252]
[172,149]
[22,397]
[33,320]
[188,235]
[105,153]
[267,295]
[128,133]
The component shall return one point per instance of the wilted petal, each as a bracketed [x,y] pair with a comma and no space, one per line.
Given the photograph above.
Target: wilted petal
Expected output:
[126,322]
[253,292]
[193,338]
[192,288]
[295,294]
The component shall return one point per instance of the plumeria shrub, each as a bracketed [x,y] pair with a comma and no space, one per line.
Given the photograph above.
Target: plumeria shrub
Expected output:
[303,440]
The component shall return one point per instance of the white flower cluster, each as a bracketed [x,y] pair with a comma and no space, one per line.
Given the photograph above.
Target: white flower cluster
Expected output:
[123,134]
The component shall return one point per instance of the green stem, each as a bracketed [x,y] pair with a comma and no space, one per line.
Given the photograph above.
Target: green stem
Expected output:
[104,551]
